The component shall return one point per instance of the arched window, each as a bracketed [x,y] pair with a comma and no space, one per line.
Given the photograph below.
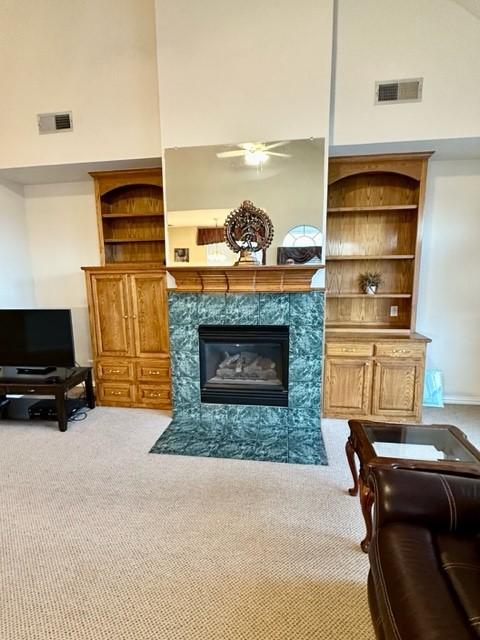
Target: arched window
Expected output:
[304,235]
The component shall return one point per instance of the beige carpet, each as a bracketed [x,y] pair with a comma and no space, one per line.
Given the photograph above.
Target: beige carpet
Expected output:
[101,540]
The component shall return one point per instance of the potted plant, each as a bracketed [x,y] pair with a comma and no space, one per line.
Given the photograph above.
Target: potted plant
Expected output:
[370,281]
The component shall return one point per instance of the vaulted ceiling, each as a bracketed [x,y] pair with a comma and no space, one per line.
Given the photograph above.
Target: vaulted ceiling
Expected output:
[473,6]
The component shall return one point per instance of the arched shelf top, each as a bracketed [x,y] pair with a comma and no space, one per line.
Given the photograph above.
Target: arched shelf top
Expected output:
[412,165]
[125,189]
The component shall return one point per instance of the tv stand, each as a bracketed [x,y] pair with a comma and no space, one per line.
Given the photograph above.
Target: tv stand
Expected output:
[35,371]
[56,386]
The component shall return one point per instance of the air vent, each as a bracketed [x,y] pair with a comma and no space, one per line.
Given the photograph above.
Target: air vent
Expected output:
[55,122]
[398,91]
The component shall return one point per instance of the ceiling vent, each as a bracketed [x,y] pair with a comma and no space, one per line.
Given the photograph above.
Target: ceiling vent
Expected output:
[55,122]
[390,91]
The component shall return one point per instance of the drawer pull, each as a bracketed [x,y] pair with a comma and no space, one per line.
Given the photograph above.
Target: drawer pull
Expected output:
[400,350]
[116,393]
[114,371]
[153,372]
[349,349]
[154,395]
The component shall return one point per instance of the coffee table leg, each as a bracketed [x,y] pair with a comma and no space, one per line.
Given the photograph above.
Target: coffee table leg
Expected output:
[350,451]
[366,502]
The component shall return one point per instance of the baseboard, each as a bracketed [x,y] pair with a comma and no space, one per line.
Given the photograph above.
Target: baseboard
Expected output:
[461,400]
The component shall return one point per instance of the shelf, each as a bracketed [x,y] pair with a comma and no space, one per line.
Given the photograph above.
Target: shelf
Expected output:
[391,256]
[117,240]
[152,214]
[368,295]
[380,207]
[370,326]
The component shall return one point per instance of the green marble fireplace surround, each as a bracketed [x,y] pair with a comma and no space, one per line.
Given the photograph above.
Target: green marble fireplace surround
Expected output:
[282,434]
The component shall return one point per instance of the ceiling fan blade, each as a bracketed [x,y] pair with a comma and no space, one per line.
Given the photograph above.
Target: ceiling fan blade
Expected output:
[275,144]
[231,154]
[280,155]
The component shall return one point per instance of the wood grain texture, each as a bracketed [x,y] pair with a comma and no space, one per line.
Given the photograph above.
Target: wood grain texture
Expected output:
[244,279]
[347,389]
[128,318]
[130,217]
[111,311]
[397,389]
[393,384]
[149,305]
[374,220]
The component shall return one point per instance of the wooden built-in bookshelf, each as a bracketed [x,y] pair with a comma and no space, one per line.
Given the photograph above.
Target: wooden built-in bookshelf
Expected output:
[373,224]
[130,216]
[374,360]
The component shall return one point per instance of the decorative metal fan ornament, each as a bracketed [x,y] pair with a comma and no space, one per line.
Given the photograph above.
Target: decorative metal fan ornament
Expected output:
[248,229]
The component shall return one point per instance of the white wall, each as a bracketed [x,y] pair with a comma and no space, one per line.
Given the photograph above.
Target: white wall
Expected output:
[16,282]
[62,229]
[97,59]
[438,40]
[449,301]
[240,71]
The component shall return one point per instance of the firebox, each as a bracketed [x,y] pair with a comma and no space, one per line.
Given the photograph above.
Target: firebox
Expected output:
[244,364]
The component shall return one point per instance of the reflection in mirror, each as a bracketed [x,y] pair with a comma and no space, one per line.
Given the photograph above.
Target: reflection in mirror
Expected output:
[204,184]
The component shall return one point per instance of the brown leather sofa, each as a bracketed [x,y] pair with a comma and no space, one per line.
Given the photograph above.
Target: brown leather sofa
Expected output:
[424,581]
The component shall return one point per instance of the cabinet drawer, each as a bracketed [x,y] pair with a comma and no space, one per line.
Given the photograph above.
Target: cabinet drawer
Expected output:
[154,395]
[399,350]
[349,349]
[153,371]
[114,370]
[113,392]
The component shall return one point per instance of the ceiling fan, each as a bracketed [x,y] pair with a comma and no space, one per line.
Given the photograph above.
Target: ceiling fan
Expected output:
[255,153]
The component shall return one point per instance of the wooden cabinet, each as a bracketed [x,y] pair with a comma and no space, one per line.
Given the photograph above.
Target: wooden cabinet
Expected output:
[376,378]
[128,318]
[347,386]
[130,216]
[397,389]
[375,361]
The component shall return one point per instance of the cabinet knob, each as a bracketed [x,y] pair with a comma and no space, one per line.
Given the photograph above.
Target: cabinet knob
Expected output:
[126,317]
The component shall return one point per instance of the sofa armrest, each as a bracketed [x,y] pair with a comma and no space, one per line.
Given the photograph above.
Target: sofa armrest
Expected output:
[433,499]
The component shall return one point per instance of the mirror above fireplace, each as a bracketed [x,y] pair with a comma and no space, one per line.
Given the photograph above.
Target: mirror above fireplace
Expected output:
[203,184]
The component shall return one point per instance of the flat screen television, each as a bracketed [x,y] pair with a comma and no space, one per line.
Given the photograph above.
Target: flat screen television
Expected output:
[36,338]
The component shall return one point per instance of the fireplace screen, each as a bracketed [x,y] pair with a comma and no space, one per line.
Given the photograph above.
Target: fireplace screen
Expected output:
[244,364]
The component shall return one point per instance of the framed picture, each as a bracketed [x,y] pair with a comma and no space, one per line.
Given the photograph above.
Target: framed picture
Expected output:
[181,255]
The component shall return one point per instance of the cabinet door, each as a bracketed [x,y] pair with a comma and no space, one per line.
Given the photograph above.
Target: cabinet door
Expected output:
[149,303]
[111,315]
[397,389]
[347,387]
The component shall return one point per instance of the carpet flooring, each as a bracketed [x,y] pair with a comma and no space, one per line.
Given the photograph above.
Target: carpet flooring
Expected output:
[100,540]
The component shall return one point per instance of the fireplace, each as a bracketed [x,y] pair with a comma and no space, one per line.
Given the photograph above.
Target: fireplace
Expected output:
[244,364]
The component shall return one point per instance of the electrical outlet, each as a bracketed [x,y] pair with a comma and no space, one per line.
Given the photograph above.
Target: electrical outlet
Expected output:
[394,311]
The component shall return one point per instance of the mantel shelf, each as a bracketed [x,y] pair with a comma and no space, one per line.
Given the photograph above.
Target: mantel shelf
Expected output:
[378,207]
[274,279]
[391,256]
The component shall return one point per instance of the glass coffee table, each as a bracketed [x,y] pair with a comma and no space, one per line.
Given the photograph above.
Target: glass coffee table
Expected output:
[422,447]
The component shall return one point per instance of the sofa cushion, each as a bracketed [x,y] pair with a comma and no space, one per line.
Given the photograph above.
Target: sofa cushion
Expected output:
[414,594]
[460,559]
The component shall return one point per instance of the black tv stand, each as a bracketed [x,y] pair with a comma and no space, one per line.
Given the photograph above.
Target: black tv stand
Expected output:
[56,386]
[35,371]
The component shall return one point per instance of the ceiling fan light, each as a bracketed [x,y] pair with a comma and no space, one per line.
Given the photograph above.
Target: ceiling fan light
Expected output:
[255,158]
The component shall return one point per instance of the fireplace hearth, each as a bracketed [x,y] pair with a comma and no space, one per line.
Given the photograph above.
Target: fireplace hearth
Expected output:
[244,364]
